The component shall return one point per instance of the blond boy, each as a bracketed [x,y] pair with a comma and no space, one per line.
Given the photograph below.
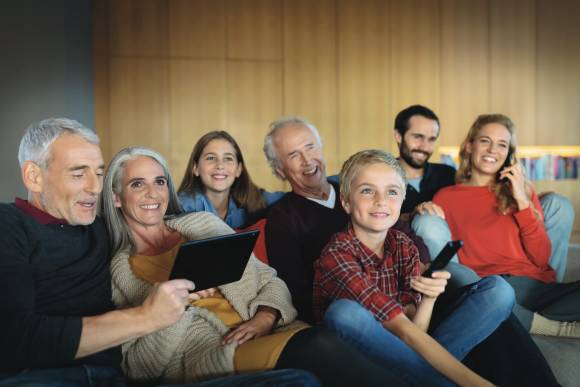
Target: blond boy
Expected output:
[368,288]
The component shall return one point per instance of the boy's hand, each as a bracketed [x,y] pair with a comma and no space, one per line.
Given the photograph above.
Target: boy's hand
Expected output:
[431,287]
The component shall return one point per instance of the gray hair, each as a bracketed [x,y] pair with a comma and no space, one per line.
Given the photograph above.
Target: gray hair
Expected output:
[269,149]
[39,136]
[120,234]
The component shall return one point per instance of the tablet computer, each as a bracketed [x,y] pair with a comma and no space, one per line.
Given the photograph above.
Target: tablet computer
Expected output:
[443,258]
[214,261]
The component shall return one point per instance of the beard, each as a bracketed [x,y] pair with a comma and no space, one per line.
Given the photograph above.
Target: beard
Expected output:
[407,155]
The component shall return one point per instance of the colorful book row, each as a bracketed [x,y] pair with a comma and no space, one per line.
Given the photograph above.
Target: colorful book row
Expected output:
[547,167]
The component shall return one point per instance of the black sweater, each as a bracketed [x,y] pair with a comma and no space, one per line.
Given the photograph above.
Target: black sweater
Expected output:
[296,232]
[50,277]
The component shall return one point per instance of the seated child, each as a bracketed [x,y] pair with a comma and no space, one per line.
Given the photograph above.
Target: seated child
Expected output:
[216,180]
[367,285]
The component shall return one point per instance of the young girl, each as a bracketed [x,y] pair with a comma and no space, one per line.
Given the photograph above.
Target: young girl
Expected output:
[497,214]
[217,181]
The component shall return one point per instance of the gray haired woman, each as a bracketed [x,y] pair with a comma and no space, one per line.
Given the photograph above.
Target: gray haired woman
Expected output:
[244,326]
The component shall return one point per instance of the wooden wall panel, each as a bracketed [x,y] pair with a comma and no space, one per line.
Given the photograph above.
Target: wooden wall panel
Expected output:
[363,76]
[513,64]
[464,67]
[415,55]
[168,71]
[558,73]
[310,69]
[101,77]
[254,29]
[197,28]
[254,97]
[139,104]
[139,27]
[198,95]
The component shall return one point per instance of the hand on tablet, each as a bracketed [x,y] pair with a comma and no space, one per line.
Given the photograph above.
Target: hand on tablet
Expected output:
[166,302]
[259,325]
[194,296]
[431,287]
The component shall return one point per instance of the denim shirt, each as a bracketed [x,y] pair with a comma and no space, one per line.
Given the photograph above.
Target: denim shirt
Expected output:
[236,217]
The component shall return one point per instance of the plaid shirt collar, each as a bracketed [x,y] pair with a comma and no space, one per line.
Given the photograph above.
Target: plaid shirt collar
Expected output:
[368,253]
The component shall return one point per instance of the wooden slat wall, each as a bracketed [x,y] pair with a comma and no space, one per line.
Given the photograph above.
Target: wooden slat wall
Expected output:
[168,71]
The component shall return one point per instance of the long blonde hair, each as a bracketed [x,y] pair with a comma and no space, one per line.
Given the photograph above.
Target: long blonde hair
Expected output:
[505,200]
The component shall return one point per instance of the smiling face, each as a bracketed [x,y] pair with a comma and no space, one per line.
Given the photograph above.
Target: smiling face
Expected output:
[489,150]
[374,203]
[218,166]
[69,187]
[300,159]
[144,193]
[418,143]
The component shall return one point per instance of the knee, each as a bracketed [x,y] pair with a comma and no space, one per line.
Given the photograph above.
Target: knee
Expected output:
[431,224]
[499,292]
[558,206]
[346,314]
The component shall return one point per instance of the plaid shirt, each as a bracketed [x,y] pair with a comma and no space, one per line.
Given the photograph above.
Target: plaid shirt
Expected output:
[349,269]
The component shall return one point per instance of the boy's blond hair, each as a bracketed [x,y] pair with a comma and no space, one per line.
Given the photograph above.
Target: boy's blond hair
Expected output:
[353,165]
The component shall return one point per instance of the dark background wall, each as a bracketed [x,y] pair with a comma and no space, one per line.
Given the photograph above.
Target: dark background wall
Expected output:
[46,70]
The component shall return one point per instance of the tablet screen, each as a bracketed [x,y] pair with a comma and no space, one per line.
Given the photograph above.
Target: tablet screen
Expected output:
[214,261]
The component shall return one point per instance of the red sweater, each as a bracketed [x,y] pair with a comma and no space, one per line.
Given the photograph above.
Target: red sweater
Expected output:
[515,243]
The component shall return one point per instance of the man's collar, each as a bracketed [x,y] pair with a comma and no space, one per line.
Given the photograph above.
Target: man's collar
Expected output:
[36,213]
[427,170]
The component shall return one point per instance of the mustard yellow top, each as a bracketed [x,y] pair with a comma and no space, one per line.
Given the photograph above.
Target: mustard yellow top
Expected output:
[253,355]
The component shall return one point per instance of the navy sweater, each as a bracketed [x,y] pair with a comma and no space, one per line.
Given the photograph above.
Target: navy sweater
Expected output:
[50,277]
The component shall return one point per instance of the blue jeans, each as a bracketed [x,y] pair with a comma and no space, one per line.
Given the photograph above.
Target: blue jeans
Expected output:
[558,220]
[109,377]
[475,313]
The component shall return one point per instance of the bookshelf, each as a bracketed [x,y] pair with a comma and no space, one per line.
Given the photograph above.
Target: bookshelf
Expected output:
[550,168]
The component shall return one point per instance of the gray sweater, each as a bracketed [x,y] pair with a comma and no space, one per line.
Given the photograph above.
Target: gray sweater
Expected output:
[191,349]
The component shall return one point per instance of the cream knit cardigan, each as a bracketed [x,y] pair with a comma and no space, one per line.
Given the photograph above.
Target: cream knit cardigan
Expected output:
[191,349]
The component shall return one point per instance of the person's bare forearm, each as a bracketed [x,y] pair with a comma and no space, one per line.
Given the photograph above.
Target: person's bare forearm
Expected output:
[163,307]
[434,353]
[422,317]
[112,329]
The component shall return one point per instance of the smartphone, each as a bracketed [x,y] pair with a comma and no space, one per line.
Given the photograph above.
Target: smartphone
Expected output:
[509,161]
[443,258]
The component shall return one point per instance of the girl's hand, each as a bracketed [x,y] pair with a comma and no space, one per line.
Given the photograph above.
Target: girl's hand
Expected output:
[431,287]
[259,325]
[516,177]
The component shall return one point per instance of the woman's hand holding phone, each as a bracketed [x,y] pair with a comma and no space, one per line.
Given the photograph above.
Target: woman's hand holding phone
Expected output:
[515,175]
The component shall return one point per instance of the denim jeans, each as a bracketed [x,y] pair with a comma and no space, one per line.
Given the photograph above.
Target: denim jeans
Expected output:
[475,313]
[91,376]
[558,220]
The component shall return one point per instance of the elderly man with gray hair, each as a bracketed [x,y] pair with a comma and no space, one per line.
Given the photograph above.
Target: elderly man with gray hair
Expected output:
[58,324]
[302,222]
